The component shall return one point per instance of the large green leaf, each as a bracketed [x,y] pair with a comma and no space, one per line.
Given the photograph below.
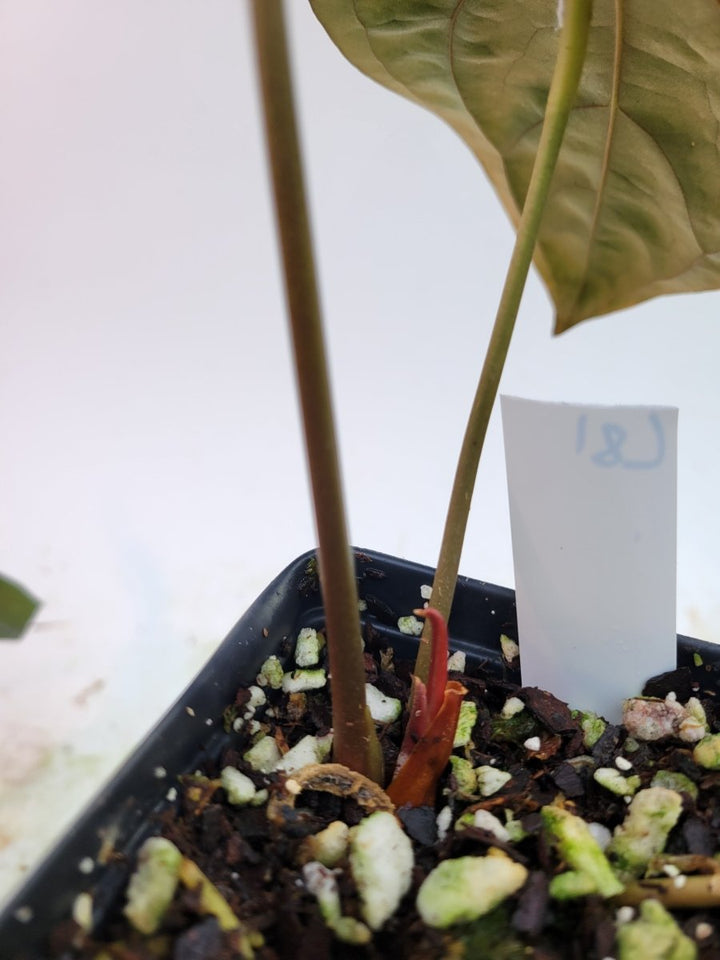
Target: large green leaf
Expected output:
[16,609]
[634,209]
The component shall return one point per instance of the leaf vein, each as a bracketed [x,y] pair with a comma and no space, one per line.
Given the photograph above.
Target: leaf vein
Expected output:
[382,63]
[678,180]
[605,168]
[451,53]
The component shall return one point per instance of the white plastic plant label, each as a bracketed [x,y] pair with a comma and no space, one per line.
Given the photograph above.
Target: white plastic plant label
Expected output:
[593,508]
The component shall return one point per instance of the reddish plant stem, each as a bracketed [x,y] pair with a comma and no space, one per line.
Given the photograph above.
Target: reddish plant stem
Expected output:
[416,783]
[355,741]
[437,678]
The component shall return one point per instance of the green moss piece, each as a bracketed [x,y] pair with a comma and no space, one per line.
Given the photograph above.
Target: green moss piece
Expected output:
[211,901]
[514,828]
[654,935]
[695,709]
[466,722]
[229,716]
[322,883]
[592,725]
[308,647]
[466,819]
[510,648]
[515,729]
[461,890]
[612,780]
[651,816]
[571,884]
[492,938]
[591,871]
[152,886]
[300,680]
[240,789]
[309,749]
[271,673]
[674,780]
[264,755]
[350,930]
[410,625]
[464,774]
[707,753]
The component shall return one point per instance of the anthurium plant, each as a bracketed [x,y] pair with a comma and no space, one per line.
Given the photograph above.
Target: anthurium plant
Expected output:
[597,123]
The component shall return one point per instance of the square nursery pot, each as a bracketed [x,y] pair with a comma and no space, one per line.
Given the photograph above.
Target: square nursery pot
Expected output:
[192,732]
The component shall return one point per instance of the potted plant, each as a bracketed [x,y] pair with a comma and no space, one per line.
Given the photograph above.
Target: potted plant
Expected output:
[605,835]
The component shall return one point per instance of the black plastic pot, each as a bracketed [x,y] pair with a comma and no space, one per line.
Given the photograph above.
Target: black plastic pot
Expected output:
[125,811]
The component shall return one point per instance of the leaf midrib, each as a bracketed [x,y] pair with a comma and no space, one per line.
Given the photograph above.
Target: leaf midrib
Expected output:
[613,108]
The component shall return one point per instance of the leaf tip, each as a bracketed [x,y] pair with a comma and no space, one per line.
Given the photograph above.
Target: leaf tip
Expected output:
[17,608]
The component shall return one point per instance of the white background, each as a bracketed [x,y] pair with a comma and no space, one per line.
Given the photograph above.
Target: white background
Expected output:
[152,478]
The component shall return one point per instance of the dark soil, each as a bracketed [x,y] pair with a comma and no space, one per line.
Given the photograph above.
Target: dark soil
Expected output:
[253,863]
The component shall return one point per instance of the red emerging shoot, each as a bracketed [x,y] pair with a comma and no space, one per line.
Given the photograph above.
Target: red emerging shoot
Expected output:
[431,726]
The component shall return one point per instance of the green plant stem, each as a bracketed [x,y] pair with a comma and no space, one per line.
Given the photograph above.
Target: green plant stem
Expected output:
[355,742]
[563,88]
